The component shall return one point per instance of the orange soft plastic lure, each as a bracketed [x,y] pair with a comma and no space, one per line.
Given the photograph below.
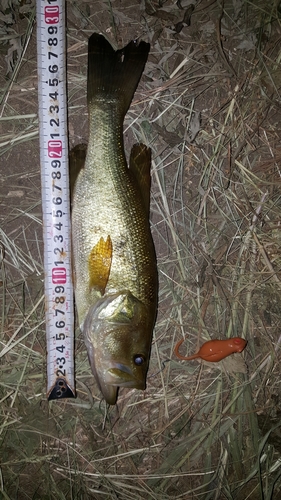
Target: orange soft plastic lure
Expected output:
[214,350]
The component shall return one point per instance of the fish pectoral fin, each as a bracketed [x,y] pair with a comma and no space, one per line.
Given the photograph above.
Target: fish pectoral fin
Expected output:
[100,263]
[140,164]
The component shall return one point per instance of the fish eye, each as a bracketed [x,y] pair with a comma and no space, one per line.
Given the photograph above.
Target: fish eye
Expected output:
[139,359]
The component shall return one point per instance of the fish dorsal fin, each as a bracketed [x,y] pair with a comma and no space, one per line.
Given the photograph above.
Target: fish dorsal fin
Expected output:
[140,164]
[77,158]
[99,264]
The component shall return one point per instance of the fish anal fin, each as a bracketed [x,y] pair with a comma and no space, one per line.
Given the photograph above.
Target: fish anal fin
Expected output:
[99,264]
[140,165]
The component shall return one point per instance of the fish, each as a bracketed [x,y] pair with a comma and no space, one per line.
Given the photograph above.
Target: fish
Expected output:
[114,260]
[214,350]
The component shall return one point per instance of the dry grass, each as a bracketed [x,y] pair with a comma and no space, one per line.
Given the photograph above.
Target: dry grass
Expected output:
[209,107]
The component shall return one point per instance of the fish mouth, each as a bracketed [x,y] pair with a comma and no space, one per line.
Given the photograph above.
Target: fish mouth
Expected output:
[118,375]
[109,392]
[121,375]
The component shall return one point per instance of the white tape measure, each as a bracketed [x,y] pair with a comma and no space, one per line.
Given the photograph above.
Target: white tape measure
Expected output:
[51,57]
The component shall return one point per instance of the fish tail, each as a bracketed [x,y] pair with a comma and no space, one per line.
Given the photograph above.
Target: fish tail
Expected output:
[114,74]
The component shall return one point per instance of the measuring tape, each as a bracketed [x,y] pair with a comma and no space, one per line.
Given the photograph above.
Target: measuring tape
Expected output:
[51,57]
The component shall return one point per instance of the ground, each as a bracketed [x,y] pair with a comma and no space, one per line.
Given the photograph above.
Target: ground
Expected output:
[208,105]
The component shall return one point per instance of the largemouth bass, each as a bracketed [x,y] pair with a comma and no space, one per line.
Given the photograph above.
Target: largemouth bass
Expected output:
[115,272]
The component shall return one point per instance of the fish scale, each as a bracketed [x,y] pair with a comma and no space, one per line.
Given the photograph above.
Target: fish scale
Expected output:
[117,202]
